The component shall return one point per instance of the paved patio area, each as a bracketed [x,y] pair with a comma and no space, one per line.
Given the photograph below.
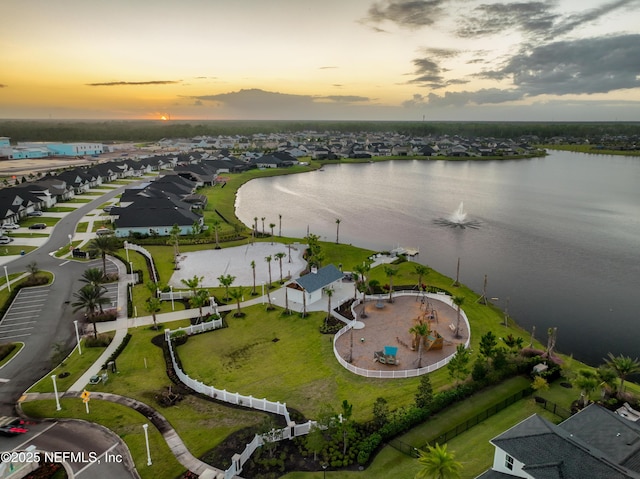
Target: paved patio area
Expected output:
[388,324]
[236,261]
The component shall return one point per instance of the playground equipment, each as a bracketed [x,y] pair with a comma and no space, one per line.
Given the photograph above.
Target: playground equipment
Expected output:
[387,355]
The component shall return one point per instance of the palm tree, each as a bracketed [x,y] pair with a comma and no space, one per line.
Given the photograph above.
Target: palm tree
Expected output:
[329,293]
[226,280]
[280,255]
[623,366]
[361,270]
[279,225]
[263,218]
[152,306]
[92,276]
[271,226]
[337,230]
[216,229]
[89,298]
[438,463]
[198,300]
[420,331]
[103,245]
[253,270]
[587,382]
[458,301]
[421,270]
[255,226]
[193,284]
[390,272]
[237,294]
[268,260]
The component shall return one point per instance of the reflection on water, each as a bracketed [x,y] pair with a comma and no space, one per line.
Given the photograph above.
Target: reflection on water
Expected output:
[555,238]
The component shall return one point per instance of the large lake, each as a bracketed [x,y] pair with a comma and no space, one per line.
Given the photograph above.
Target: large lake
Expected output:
[558,236]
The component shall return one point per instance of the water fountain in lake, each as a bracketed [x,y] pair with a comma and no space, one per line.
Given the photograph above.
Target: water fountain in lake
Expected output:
[458,219]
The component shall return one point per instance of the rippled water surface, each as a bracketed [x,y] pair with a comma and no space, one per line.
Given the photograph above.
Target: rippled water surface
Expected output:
[559,236]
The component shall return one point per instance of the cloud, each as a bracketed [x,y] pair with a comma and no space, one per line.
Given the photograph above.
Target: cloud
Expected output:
[479,97]
[327,68]
[583,66]
[3,85]
[405,13]
[135,83]
[430,74]
[491,19]
[573,21]
[344,98]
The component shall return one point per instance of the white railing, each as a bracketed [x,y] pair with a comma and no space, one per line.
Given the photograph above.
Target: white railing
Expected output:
[175,295]
[404,373]
[222,394]
[144,252]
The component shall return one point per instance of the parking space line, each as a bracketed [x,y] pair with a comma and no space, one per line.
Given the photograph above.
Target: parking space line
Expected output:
[15,336]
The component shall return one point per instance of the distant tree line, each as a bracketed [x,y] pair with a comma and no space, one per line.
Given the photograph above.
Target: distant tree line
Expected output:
[153,130]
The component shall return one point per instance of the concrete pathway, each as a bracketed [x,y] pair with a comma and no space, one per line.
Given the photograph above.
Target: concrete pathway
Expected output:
[180,451]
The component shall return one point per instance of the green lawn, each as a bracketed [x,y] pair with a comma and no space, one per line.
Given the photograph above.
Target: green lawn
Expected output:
[12,354]
[61,209]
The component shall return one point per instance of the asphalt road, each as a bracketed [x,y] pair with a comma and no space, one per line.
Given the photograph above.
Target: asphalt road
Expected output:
[53,322]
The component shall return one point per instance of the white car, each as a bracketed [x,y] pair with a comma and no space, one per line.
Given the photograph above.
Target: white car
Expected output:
[10,226]
[5,240]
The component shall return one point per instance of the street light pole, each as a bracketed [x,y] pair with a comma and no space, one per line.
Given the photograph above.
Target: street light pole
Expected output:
[70,243]
[75,323]
[55,391]
[263,292]
[324,470]
[146,440]
[6,275]
[172,306]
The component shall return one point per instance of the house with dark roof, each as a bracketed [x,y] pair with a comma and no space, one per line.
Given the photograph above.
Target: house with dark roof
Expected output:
[154,216]
[309,288]
[594,443]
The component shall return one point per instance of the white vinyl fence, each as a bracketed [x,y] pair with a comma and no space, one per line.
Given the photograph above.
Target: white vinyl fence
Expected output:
[144,252]
[238,460]
[406,373]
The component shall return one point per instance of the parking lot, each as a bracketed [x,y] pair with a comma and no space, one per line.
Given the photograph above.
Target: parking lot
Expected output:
[22,317]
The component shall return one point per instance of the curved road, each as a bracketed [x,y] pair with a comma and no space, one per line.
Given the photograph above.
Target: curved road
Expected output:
[54,323]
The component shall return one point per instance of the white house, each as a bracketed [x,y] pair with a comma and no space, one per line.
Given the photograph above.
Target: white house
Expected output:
[308,288]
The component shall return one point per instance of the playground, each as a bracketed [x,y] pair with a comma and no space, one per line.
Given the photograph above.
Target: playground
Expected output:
[385,342]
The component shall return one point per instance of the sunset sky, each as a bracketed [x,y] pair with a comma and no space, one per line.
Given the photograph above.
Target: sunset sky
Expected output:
[313,60]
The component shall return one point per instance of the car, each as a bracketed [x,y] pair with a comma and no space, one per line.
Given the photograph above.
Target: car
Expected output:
[104,232]
[107,208]
[34,213]
[12,426]
[10,226]
[5,240]
[37,226]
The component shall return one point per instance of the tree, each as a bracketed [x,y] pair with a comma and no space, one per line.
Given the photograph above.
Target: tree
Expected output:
[237,294]
[89,298]
[226,280]
[361,270]
[587,382]
[215,223]
[152,306]
[424,396]
[280,256]
[263,218]
[421,270]
[92,276]
[380,412]
[271,226]
[314,250]
[420,331]
[193,284]
[458,301]
[196,228]
[329,293]
[199,300]
[174,233]
[279,225]
[539,384]
[346,428]
[253,270]
[459,365]
[33,269]
[103,245]
[255,226]
[438,463]
[337,230]
[390,272]
[488,343]
[623,366]
[268,260]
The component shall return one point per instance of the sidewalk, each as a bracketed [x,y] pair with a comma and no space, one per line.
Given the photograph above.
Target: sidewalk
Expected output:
[179,450]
